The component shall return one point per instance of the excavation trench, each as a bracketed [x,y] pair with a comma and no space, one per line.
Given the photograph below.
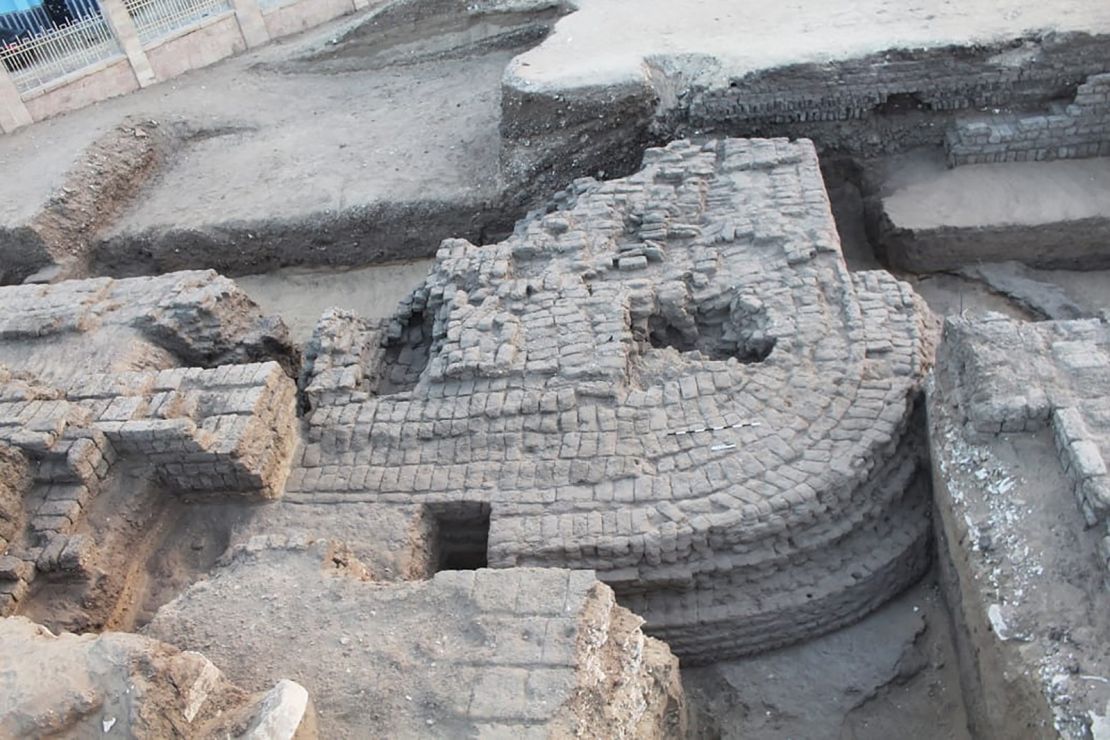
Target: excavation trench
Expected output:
[1009,269]
[367,256]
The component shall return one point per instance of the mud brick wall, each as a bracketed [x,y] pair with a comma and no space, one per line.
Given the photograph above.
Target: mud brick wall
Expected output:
[1081,454]
[835,103]
[1083,130]
[53,465]
[229,429]
[342,359]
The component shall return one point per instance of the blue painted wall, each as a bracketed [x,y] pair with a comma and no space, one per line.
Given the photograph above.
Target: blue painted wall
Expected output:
[14,6]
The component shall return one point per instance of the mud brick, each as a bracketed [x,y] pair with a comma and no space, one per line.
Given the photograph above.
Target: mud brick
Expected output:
[15,569]
[78,554]
[12,592]
[48,559]
[51,524]
[68,508]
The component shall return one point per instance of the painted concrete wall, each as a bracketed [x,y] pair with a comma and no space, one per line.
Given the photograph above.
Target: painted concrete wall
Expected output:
[117,78]
[211,42]
[301,14]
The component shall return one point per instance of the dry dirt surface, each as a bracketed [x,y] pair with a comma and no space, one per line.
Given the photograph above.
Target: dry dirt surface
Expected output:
[344,145]
[302,295]
[922,193]
[124,685]
[895,673]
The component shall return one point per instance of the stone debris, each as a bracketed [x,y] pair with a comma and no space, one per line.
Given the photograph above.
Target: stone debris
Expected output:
[124,685]
[100,325]
[530,653]
[539,377]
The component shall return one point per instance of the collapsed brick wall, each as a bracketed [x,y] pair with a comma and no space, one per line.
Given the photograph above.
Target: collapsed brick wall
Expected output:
[80,327]
[1082,130]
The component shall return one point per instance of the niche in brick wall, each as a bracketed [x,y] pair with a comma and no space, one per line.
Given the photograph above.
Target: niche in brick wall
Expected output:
[459,535]
[901,103]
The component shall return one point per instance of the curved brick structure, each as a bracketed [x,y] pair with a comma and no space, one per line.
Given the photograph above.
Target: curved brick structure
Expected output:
[672,379]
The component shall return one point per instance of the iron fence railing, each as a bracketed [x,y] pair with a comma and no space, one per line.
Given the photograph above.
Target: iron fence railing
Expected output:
[36,60]
[61,37]
[155,19]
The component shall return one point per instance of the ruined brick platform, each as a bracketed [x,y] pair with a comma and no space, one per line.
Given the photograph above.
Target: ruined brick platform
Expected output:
[1012,377]
[95,373]
[101,325]
[1019,424]
[671,379]
[522,653]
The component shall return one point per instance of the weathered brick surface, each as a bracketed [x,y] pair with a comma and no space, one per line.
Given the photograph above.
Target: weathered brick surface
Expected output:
[1082,129]
[530,653]
[719,428]
[76,327]
[835,102]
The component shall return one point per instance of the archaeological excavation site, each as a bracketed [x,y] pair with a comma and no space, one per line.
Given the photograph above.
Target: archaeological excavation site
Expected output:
[611,369]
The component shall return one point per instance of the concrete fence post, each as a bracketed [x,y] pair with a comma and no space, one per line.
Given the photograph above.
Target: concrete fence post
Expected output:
[251,23]
[13,113]
[115,12]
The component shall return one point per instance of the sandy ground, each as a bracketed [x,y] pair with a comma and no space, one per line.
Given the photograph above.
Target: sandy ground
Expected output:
[608,41]
[300,296]
[893,674]
[920,192]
